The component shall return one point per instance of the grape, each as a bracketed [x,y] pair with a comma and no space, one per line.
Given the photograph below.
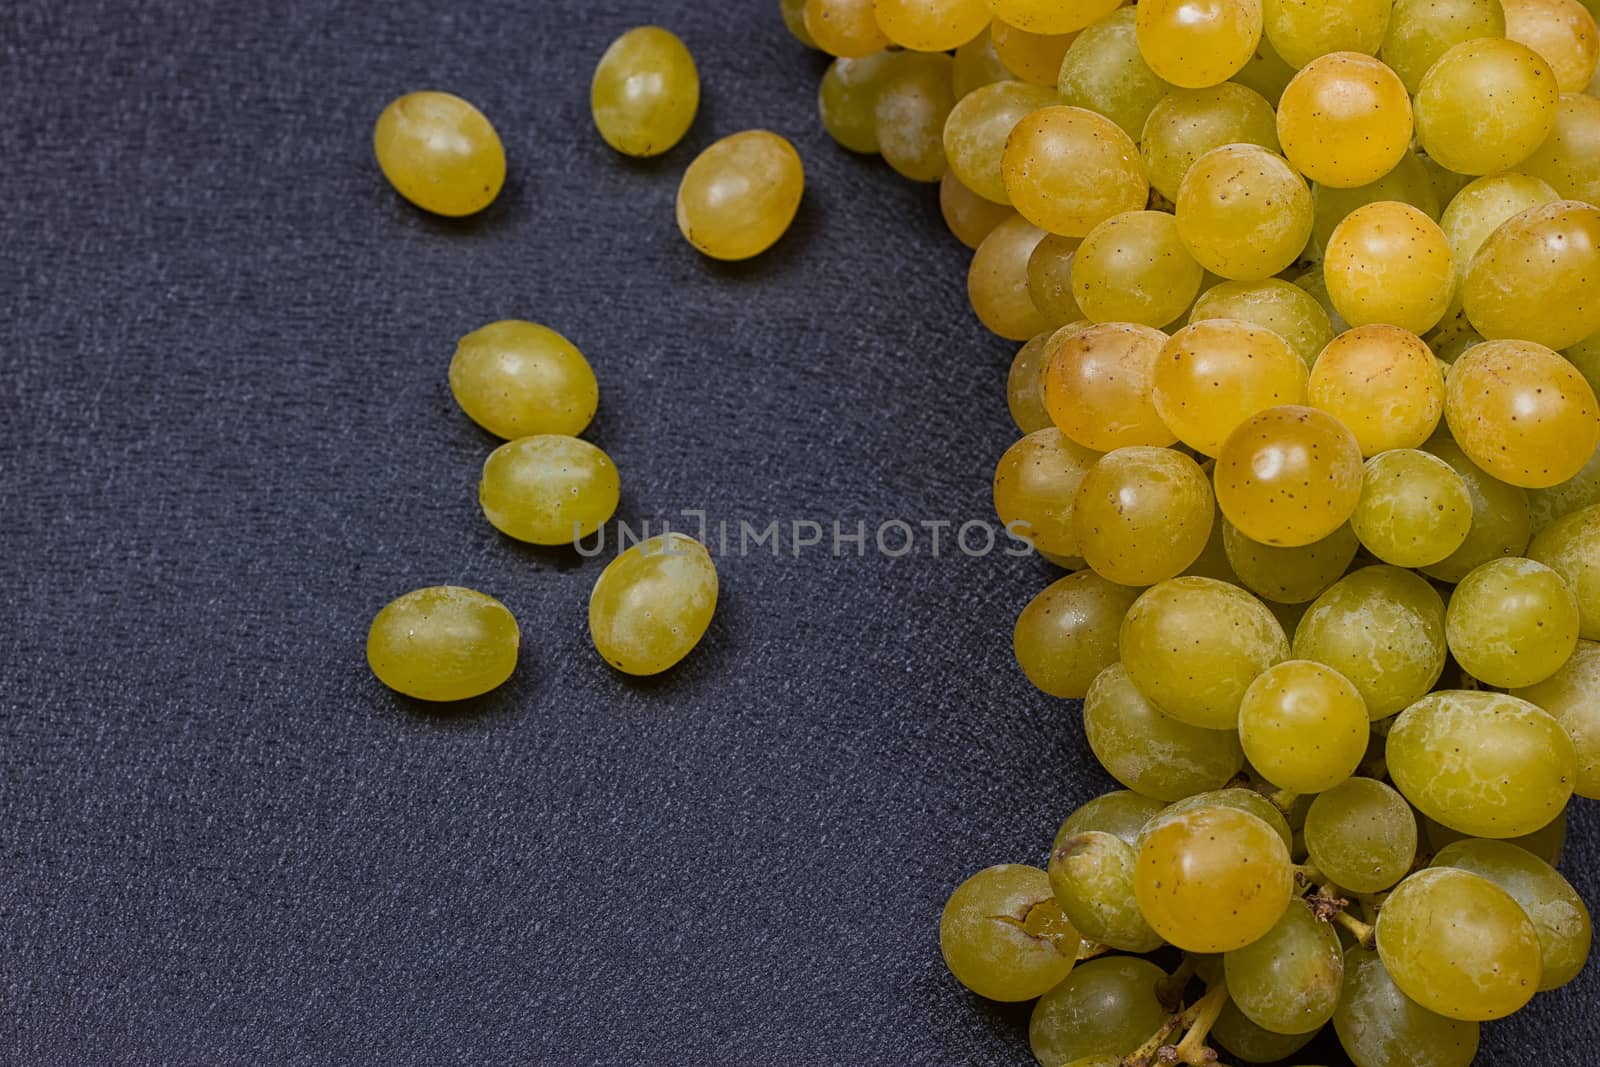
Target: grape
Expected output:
[1557,912]
[440,153]
[1033,57]
[1547,842]
[1383,383]
[914,101]
[1379,1026]
[976,64]
[1390,263]
[1480,208]
[1092,875]
[1303,30]
[1196,43]
[1243,212]
[1534,278]
[1214,374]
[1289,980]
[1003,935]
[1213,879]
[517,378]
[1133,268]
[1415,510]
[1149,752]
[1097,386]
[1382,628]
[1142,515]
[1316,286]
[1512,622]
[1185,124]
[1409,183]
[1050,279]
[1194,645]
[1122,814]
[1571,547]
[847,100]
[1067,169]
[1025,387]
[1304,728]
[1345,119]
[1572,697]
[969,216]
[847,28]
[1485,105]
[1285,309]
[548,489]
[1106,1007]
[1104,72]
[1574,494]
[1562,32]
[1420,31]
[740,195]
[1235,1033]
[1051,16]
[645,92]
[1239,799]
[443,643]
[997,281]
[794,17]
[1068,634]
[1522,413]
[1289,476]
[976,131]
[1501,521]
[1289,575]
[1569,159]
[1361,835]
[1034,486]
[1458,945]
[931,25]
[1483,763]
[1266,72]
[653,604]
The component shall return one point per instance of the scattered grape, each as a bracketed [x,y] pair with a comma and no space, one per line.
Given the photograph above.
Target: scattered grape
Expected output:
[443,643]
[645,92]
[517,378]
[440,153]
[740,195]
[653,604]
[548,489]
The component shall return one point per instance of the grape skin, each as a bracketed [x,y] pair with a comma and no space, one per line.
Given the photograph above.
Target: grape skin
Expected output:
[1572,697]
[1133,268]
[1185,124]
[740,195]
[1295,575]
[1214,374]
[1512,622]
[1569,159]
[1571,547]
[1098,383]
[645,92]
[1389,263]
[1123,814]
[1362,835]
[1273,304]
[1193,43]
[1485,105]
[440,153]
[914,102]
[969,216]
[1069,633]
[443,643]
[1050,281]
[931,25]
[1421,31]
[1147,751]
[997,281]
[976,130]
[985,940]
[1033,57]
[1104,72]
[653,603]
[1379,1026]
[1502,522]
[847,101]
[1213,879]
[1383,383]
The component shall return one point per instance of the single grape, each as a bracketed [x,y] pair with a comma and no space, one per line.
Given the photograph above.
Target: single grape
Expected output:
[517,378]
[846,28]
[1284,308]
[1234,1032]
[1185,124]
[1051,16]
[645,92]
[443,643]
[976,64]
[1303,30]
[1501,520]
[1361,835]
[1035,483]
[997,281]
[1213,879]
[1522,412]
[1068,169]
[1345,119]
[1383,383]
[1092,875]
[548,489]
[1572,697]
[1196,43]
[1142,514]
[1215,374]
[1564,35]
[1421,31]
[1415,510]
[1122,813]
[1238,798]
[1289,476]
[1243,212]
[1304,727]
[440,153]
[1150,752]
[1103,71]
[1571,547]
[1289,980]
[914,101]
[1512,622]
[847,100]
[1534,278]
[1133,268]
[653,604]
[975,133]
[1480,208]
[1003,935]
[1390,263]
[1295,575]
[1379,1026]
[1409,183]
[1106,1007]
[1025,387]
[1485,105]
[1068,634]
[1033,57]
[1569,159]
[740,195]
[931,25]
[1050,280]
[1097,386]
[969,216]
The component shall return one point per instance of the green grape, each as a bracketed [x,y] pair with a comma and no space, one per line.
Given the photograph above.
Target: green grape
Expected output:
[1345,119]
[1289,476]
[1415,510]
[847,100]
[969,216]
[1313,282]
[1003,935]
[440,153]
[1522,412]
[1576,493]
[1266,72]
[931,25]
[1243,212]
[1051,16]
[1068,169]
[1303,30]
[443,643]
[1289,980]
[740,195]
[1285,309]
[1547,842]
[1295,575]
[653,604]
[1104,72]
[1235,1033]
[1098,382]
[1033,57]
[1382,628]
[1533,279]
[915,98]
[1563,32]
[1361,835]
[1479,209]
[1213,879]
[1512,622]
[1485,105]
[1196,43]
[1214,374]
[1185,124]
[1409,183]
[1501,520]
[975,133]
[1421,31]
[1556,910]
[997,281]
[1194,645]
[1572,697]
[1459,945]
[1151,753]
[1383,383]
[1304,727]
[1092,875]
[1569,159]
[847,28]
[1133,268]
[548,489]
[1571,547]
[1585,355]
[794,17]
[1050,279]
[1390,263]
[1379,1026]
[1483,763]
[645,92]
[1238,799]
[976,64]
[1025,387]
[1142,515]
[1034,486]
[1068,634]
[1122,813]
[1106,1007]
[1446,183]
[517,378]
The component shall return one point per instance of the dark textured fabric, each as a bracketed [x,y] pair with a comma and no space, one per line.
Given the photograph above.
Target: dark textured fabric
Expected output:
[228,440]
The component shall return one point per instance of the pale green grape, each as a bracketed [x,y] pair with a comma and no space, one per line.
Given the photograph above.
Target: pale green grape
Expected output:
[1289,476]
[518,378]
[1415,510]
[976,130]
[1196,43]
[1289,575]
[652,604]
[1409,183]
[1104,72]
[1185,124]
[1576,493]
[1142,514]
[1134,268]
[1302,30]
[1107,1006]
[1421,31]
[1485,105]
[847,100]
[1213,879]
[1512,622]
[1345,119]
[1067,169]
[915,98]
[548,489]
[1282,307]
[1003,935]
[645,92]
[1379,1026]
[1098,384]
[1214,374]
[1547,842]
[1571,547]
[1151,753]
[1123,814]
[1522,412]
[1289,980]
[1050,280]
[1501,520]
[1025,387]
[1235,1033]
[1383,383]
[1572,697]
[1243,212]
[1389,263]
[1361,835]
[1092,875]
[1068,634]
[1304,727]
[443,643]
[1569,159]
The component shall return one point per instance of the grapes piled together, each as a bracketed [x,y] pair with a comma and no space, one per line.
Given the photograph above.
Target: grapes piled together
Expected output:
[1311,301]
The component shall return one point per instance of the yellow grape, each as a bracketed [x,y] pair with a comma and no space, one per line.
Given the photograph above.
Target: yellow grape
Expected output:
[653,604]
[1051,16]
[1571,547]
[1213,879]
[969,216]
[518,378]
[1572,697]
[440,153]
[1025,386]
[1389,263]
[1512,622]
[1068,634]
[1304,727]
[1421,31]
[1142,515]
[1564,34]
[1050,279]
[443,643]
[1067,169]
[1569,159]
[847,100]
[1345,120]
[976,131]
[1502,521]
[1289,476]
[1303,30]
[1033,57]
[997,281]
[1274,304]
[1214,374]
[645,92]
[976,64]
[1415,510]
[548,489]
[846,28]
[1035,483]
[1243,212]
[1522,413]
[931,25]
[1409,182]
[1266,72]
[1383,384]
[1196,43]
[914,101]
[1481,207]
[1097,386]
[1104,72]
[1185,124]
[1295,575]
[1486,105]
[1535,278]
[740,195]
[1145,749]
[794,17]
[1133,268]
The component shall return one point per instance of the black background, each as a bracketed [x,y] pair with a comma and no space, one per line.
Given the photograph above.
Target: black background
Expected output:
[229,440]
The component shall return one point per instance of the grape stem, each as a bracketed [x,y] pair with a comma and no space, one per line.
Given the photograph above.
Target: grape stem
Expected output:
[1364,932]
[1202,1016]
[1308,873]
[1170,990]
[1284,800]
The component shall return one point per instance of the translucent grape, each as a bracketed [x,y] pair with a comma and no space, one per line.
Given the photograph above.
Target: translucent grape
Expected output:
[1569,159]
[1572,697]
[1051,16]
[975,133]
[440,153]
[1485,105]
[1243,212]
[1107,1006]
[847,28]
[1483,763]
[1420,31]
[1035,483]
[548,489]
[1303,30]
[977,64]
[1289,476]
[1098,382]
[1379,1026]
[914,101]
[1564,35]
[1289,980]
[1122,813]
[1285,309]
[653,604]
[1151,752]
[645,92]
[1235,1033]
[443,643]
[1383,383]
[1104,72]
[1535,278]
[1193,646]
[1415,510]
[1409,183]
[1033,57]
[1265,72]
[969,216]
[1512,622]
[1239,799]
[1025,387]
[1213,879]
[1050,279]
[847,100]
[1185,124]
[931,25]
[517,378]
[1142,515]
[1196,43]
[1133,268]
[740,195]
[1304,727]
[1003,935]
[1361,835]
[1294,575]
[1067,170]
[1345,119]
[1092,875]
[1522,413]
[1389,263]
[1068,634]
[1480,208]
[1571,547]
[997,281]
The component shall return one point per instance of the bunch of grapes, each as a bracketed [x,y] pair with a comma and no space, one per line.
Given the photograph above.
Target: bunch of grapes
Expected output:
[1311,301]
